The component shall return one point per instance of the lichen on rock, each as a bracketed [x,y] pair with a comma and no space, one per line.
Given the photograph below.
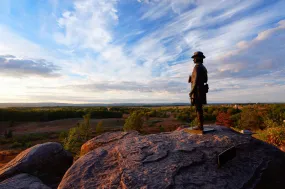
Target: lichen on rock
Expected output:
[47,161]
[176,160]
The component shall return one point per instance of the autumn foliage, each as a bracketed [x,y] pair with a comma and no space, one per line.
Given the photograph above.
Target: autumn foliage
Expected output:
[224,119]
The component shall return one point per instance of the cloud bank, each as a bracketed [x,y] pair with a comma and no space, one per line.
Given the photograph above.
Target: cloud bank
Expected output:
[15,67]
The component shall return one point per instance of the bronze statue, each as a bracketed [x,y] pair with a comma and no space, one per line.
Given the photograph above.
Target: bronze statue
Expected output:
[199,87]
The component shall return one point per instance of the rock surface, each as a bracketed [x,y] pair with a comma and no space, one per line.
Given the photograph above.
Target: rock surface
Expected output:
[23,181]
[48,162]
[179,160]
[106,139]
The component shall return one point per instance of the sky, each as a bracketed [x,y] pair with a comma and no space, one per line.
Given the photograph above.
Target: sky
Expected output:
[139,51]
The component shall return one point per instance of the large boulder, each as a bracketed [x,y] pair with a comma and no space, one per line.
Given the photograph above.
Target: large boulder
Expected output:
[106,139]
[48,162]
[23,181]
[179,160]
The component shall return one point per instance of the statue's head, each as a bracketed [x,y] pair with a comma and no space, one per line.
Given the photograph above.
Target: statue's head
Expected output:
[198,57]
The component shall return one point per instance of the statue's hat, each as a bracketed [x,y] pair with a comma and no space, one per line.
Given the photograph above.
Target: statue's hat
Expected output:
[198,54]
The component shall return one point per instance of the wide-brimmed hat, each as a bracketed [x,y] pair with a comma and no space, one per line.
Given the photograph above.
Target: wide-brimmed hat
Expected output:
[198,54]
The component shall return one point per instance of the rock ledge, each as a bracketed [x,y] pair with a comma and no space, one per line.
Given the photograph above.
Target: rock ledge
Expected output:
[177,160]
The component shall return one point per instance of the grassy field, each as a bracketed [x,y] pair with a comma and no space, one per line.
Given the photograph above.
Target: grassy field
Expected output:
[27,134]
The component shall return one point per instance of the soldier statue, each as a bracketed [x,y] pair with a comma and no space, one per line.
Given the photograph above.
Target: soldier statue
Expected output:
[199,87]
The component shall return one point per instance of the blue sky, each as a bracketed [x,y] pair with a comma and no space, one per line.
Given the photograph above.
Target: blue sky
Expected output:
[94,51]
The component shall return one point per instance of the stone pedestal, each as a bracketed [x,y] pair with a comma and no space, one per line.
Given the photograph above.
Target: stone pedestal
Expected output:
[199,132]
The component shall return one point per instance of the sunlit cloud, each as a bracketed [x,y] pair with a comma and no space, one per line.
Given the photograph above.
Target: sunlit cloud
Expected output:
[101,51]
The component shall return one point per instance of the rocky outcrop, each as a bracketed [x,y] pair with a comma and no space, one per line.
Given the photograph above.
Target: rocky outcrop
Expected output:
[48,162]
[22,181]
[106,139]
[178,160]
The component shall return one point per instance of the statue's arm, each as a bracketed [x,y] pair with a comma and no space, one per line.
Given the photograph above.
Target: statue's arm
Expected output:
[194,84]
[206,75]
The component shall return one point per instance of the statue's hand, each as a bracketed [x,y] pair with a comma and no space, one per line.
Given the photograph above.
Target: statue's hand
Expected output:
[189,79]
[190,94]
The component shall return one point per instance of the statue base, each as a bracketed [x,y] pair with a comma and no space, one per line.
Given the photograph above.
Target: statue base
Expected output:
[199,132]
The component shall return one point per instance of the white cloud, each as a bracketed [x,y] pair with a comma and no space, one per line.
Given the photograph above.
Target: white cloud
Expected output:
[200,13]
[88,25]
[260,56]
[181,35]
[99,66]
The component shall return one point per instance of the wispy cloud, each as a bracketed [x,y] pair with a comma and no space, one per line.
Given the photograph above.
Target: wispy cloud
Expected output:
[115,50]
[163,54]
[260,56]
[88,25]
[149,87]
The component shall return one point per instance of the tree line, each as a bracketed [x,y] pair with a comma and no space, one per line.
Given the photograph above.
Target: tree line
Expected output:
[50,114]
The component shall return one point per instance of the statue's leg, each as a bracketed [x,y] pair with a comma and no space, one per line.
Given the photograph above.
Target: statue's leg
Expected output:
[200,116]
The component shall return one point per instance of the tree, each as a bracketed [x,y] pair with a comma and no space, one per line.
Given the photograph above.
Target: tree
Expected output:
[71,140]
[250,119]
[134,121]
[99,127]
[78,135]
[224,119]
[235,119]
[84,127]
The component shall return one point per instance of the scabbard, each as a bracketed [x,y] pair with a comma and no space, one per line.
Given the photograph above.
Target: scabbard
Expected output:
[192,101]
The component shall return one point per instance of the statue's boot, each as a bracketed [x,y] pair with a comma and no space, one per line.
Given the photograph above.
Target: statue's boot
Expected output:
[196,128]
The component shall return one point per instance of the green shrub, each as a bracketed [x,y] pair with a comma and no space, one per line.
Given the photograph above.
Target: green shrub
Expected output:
[269,123]
[71,140]
[21,145]
[99,127]
[16,145]
[28,144]
[276,113]
[8,133]
[183,116]
[152,113]
[209,117]
[78,135]
[161,129]
[134,121]
[84,128]
[194,123]
[250,119]
[235,120]
[63,135]
[215,113]
[275,135]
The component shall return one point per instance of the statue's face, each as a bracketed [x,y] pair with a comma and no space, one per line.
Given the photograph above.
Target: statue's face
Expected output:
[198,60]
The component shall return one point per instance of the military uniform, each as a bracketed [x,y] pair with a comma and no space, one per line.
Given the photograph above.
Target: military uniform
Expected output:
[199,88]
